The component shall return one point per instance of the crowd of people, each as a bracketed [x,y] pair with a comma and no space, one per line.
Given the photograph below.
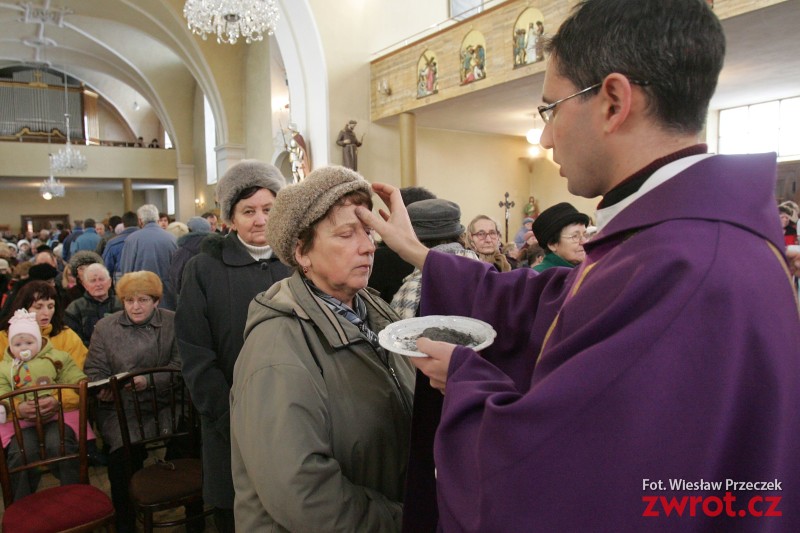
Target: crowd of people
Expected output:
[657,340]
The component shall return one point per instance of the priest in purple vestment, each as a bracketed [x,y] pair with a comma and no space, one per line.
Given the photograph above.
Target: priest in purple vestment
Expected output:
[656,387]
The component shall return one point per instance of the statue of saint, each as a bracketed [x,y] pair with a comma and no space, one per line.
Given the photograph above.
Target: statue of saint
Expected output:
[349,142]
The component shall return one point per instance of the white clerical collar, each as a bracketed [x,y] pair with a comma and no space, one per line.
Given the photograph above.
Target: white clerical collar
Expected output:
[659,177]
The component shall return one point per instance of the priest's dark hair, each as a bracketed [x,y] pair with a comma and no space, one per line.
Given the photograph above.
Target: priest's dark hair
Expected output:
[676,46]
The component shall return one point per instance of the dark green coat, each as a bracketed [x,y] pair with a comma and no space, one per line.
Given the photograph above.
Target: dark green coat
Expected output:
[552,260]
[320,429]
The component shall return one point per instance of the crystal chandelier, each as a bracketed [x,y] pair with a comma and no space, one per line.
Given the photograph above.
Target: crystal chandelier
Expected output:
[67,160]
[231,19]
[51,187]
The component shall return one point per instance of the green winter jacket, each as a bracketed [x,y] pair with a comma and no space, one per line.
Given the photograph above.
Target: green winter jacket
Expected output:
[552,260]
[50,363]
[319,426]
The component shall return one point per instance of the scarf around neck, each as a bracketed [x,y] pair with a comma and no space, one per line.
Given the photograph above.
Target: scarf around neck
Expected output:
[356,316]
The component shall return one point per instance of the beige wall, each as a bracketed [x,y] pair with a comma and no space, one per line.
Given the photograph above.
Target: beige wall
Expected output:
[30,160]
[351,30]
[77,204]
[475,171]
[258,102]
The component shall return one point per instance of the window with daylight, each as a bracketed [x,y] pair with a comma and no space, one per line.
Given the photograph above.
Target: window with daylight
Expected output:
[211,143]
[767,127]
[461,9]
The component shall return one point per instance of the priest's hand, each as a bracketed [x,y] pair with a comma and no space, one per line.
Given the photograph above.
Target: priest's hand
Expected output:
[436,364]
[394,227]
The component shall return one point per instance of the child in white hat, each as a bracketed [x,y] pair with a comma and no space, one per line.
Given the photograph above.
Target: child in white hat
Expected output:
[28,363]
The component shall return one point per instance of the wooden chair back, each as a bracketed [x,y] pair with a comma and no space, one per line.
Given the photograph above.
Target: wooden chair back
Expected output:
[10,400]
[159,412]
[161,415]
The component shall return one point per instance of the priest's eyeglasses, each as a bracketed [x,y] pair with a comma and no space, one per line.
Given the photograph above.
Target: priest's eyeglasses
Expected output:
[547,111]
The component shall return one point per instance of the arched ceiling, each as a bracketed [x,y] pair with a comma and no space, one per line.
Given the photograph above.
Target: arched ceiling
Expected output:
[133,53]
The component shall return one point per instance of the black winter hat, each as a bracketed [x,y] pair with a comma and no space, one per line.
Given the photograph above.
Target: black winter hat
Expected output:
[553,219]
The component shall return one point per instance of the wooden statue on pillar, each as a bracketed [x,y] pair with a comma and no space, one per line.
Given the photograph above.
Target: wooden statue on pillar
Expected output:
[349,142]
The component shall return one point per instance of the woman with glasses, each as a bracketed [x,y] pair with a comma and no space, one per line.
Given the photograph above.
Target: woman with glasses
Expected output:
[139,336]
[483,236]
[561,232]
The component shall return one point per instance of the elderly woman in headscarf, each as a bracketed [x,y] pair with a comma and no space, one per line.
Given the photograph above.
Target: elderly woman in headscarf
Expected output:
[561,232]
[320,412]
[139,336]
[218,284]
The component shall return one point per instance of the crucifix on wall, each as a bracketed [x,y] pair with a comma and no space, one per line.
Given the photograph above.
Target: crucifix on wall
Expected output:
[507,205]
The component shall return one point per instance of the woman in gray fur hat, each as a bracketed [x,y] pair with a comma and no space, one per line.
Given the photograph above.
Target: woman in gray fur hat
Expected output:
[320,412]
[218,284]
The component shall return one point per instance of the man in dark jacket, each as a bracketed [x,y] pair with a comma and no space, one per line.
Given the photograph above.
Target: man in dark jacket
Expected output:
[113,250]
[77,230]
[188,247]
[96,303]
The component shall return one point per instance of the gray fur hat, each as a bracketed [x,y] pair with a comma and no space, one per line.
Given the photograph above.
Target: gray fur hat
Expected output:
[243,175]
[300,205]
[83,258]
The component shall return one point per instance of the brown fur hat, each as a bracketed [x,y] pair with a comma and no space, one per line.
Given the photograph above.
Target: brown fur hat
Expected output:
[299,206]
[142,282]
[243,175]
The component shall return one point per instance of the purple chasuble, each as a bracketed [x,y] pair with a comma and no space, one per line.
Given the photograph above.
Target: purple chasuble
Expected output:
[672,359]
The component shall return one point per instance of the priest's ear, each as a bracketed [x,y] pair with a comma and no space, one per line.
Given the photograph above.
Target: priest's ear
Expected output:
[616,93]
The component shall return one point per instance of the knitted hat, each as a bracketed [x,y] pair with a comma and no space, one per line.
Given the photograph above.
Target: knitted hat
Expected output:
[141,282]
[4,265]
[199,225]
[299,206]
[435,219]
[23,241]
[24,322]
[243,175]
[83,258]
[553,219]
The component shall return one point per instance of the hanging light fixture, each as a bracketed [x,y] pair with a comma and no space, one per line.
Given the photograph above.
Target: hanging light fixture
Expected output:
[534,135]
[231,19]
[67,160]
[51,187]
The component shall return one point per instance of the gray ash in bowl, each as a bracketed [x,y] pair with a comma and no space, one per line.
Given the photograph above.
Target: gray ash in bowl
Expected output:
[450,335]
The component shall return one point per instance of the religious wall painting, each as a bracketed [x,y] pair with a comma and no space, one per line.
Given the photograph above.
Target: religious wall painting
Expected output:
[528,38]
[427,74]
[473,57]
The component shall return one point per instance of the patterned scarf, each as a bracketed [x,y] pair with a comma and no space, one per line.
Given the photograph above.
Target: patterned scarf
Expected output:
[357,316]
[406,300]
